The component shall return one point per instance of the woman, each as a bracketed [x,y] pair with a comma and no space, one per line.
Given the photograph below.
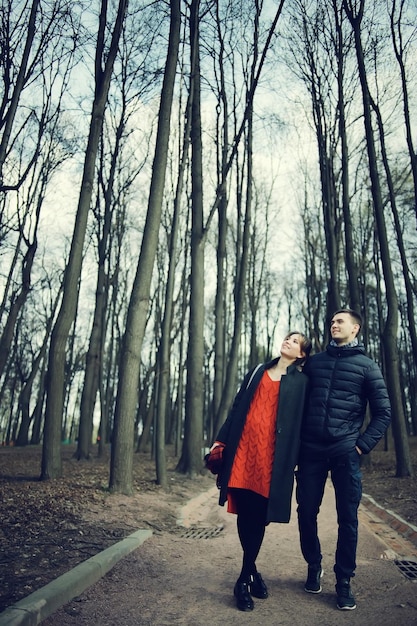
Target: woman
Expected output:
[259,444]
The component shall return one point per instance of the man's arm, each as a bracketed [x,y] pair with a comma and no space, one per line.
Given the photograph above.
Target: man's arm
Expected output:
[379,404]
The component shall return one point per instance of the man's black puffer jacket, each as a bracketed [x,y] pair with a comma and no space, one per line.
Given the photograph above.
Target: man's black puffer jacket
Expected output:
[341,382]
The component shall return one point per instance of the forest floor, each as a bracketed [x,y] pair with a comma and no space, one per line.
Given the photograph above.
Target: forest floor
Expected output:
[48,527]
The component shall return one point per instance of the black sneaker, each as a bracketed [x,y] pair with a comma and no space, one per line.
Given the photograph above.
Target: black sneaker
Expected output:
[345,599]
[313,580]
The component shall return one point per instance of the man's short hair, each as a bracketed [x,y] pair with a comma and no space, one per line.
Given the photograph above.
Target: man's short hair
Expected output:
[354,314]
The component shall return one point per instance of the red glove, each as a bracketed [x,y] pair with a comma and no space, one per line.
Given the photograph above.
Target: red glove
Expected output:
[214,458]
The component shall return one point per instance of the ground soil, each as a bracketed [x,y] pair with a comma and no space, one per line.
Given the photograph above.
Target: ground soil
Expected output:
[48,527]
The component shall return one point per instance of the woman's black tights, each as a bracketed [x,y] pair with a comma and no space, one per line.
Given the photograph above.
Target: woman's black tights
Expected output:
[251,519]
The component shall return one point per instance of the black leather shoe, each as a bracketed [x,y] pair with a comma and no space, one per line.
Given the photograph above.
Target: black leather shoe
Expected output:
[244,601]
[257,587]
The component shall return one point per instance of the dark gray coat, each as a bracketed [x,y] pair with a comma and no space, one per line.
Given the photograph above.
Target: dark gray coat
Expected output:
[290,412]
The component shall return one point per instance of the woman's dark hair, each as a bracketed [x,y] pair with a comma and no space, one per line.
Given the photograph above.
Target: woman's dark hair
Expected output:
[305,345]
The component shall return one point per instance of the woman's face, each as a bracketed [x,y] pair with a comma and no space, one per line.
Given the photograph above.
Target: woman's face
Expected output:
[291,347]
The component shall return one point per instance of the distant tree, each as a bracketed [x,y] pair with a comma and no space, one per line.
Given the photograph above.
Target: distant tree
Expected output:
[34,141]
[254,65]
[312,62]
[26,392]
[117,171]
[164,356]
[15,77]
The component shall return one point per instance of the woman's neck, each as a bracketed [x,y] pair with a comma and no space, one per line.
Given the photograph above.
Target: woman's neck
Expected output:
[280,369]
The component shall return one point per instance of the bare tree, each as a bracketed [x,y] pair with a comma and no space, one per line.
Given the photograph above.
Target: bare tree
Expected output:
[354,11]
[190,460]
[10,100]
[313,55]
[341,51]
[31,146]
[104,62]
[22,438]
[121,474]
[166,325]
[114,182]
[401,45]
[244,204]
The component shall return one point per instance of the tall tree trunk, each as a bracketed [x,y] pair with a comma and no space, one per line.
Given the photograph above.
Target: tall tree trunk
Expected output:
[230,376]
[389,335]
[191,458]
[220,317]
[399,49]
[240,291]
[411,318]
[351,265]
[121,468]
[51,451]
[164,348]
[95,348]
[316,80]
[243,250]
[220,302]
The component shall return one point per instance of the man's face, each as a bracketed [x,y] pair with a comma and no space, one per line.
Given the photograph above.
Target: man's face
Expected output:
[343,328]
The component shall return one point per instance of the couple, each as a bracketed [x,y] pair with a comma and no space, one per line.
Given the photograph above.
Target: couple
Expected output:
[306,412]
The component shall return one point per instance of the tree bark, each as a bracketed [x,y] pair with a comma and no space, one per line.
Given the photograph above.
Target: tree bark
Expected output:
[398,43]
[220,301]
[389,335]
[191,457]
[121,468]
[351,265]
[95,349]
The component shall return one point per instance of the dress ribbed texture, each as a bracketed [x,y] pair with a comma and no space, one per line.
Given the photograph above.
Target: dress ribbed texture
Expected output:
[252,465]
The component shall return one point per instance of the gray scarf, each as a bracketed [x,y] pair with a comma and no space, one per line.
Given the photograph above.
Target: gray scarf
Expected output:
[352,344]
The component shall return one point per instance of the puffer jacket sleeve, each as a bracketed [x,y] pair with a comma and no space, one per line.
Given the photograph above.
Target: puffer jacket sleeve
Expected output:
[380,408]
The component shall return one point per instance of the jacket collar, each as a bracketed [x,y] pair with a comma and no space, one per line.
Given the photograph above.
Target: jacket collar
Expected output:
[351,344]
[345,350]
[270,364]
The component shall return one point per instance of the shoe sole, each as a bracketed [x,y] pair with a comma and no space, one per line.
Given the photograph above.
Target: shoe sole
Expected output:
[245,609]
[319,590]
[346,608]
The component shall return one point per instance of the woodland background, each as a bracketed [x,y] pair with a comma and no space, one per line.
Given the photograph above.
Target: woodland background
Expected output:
[180,184]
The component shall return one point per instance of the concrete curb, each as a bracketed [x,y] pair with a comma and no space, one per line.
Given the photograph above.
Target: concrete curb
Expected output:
[41,603]
[394,521]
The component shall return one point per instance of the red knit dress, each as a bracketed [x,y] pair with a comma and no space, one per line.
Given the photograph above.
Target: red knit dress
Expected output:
[252,465]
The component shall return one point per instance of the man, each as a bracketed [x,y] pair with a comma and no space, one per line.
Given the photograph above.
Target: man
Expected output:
[343,380]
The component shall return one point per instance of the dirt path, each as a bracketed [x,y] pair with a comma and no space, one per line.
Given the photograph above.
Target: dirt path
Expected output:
[174,579]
